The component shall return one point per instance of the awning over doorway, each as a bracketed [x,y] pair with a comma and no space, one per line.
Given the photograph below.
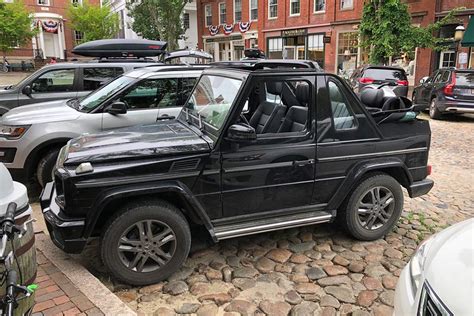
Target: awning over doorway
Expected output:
[468,39]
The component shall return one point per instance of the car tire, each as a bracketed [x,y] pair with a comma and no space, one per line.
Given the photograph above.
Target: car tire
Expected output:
[357,222]
[45,167]
[434,111]
[131,258]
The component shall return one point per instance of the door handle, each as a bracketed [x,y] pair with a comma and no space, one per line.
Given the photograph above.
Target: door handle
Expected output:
[302,163]
[165,117]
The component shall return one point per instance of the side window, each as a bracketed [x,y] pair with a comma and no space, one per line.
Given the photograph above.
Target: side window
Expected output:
[437,78]
[61,80]
[342,114]
[93,78]
[445,76]
[142,95]
[167,95]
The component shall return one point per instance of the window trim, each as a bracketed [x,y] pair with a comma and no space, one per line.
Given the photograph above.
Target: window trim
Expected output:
[348,8]
[205,14]
[291,5]
[250,11]
[269,11]
[318,11]
[220,13]
[241,11]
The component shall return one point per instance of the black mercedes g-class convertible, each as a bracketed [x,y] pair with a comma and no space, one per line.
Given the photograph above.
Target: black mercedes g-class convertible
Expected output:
[265,146]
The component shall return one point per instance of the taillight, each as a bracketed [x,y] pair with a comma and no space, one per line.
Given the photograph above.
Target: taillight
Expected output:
[429,169]
[448,89]
[402,82]
[366,80]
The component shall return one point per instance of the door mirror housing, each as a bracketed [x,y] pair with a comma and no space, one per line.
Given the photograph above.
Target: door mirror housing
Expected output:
[424,79]
[241,133]
[118,107]
[27,90]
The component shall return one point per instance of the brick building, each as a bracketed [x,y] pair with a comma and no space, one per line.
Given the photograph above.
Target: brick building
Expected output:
[55,38]
[322,30]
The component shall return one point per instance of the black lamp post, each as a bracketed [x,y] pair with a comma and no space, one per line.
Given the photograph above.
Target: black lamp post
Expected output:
[458,35]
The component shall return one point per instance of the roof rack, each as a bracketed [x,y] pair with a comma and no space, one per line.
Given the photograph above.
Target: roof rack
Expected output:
[258,64]
[121,48]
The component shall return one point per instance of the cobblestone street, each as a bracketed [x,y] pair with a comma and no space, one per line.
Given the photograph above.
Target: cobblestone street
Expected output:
[315,270]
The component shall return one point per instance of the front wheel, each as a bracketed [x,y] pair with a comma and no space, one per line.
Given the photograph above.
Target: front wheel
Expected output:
[373,208]
[145,243]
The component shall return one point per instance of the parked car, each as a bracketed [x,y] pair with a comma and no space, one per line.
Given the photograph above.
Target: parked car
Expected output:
[447,90]
[31,136]
[438,280]
[250,152]
[375,75]
[23,247]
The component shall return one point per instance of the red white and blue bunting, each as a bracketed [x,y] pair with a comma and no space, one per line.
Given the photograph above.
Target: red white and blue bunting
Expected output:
[228,28]
[50,26]
[213,29]
[244,26]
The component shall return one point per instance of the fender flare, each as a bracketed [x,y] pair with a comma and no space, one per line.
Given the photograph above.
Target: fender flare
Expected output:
[108,196]
[359,170]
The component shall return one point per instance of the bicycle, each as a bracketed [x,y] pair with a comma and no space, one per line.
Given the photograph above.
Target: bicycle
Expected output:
[8,232]
[5,65]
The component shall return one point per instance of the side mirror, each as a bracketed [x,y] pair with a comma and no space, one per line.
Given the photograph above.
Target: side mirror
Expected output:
[27,90]
[118,107]
[424,79]
[241,133]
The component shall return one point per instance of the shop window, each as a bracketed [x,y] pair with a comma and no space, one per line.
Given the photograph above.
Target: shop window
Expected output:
[347,51]
[295,7]
[253,10]
[275,48]
[272,9]
[208,12]
[319,5]
[316,49]
[237,11]
[222,13]
[347,4]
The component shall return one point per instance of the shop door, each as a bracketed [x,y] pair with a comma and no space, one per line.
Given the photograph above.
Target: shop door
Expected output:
[49,44]
[300,53]
[289,52]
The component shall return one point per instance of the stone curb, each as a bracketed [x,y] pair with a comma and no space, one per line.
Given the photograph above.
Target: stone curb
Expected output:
[95,291]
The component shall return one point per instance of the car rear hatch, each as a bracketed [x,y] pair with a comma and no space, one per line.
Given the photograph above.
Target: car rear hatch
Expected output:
[463,85]
[379,75]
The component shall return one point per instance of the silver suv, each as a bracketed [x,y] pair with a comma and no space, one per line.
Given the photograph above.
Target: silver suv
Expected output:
[31,136]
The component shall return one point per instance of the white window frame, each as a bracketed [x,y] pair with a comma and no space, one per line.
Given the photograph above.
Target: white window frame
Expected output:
[78,3]
[269,11]
[205,14]
[319,11]
[291,5]
[250,10]
[46,4]
[346,8]
[241,7]
[220,13]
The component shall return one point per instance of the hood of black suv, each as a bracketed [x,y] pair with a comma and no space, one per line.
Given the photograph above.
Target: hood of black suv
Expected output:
[146,141]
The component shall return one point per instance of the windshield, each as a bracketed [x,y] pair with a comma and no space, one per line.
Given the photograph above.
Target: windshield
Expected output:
[211,101]
[94,99]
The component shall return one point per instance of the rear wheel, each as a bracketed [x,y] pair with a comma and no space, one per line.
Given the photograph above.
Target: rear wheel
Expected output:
[145,243]
[45,167]
[434,111]
[373,208]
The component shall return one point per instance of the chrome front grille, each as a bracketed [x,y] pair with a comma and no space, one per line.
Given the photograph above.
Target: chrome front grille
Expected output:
[430,304]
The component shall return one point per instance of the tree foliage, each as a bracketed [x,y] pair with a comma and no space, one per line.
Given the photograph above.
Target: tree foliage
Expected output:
[16,26]
[158,20]
[94,21]
[386,30]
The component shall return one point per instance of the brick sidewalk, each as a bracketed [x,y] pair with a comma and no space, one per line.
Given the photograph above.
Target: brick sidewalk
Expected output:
[56,295]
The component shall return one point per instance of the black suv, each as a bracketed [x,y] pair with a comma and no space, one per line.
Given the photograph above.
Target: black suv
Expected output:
[253,150]
[369,75]
[447,90]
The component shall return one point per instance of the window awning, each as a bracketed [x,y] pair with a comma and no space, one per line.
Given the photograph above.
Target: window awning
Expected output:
[468,39]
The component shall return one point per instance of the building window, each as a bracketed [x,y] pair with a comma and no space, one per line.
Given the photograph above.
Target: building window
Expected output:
[295,7]
[347,52]
[448,59]
[222,13]
[346,4]
[43,2]
[8,1]
[253,10]
[237,11]
[272,9]
[186,20]
[319,5]
[316,49]
[78,37]
[275,48]
[208,12]
[76,2]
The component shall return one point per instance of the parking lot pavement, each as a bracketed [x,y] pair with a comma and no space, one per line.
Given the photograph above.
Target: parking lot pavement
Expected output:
[318,269]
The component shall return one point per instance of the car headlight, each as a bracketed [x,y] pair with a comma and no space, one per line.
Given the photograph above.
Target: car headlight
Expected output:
[417,263]
[12,132]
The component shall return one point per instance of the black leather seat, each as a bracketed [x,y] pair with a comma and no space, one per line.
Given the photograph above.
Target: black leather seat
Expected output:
[297,116]
[268,115]
[372,98]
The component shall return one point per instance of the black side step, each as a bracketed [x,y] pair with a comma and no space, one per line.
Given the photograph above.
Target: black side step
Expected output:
[269,224]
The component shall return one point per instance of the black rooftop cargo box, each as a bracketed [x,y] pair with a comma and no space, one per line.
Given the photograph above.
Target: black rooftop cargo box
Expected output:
[121,48]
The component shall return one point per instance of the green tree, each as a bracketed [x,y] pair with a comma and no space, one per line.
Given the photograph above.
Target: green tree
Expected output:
[94,21]
[158,19]
[16,26]
[386,30]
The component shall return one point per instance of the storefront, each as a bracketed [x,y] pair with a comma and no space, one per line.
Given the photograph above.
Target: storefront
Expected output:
[297,44]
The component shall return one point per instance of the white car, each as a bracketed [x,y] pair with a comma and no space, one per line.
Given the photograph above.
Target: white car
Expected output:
[439,279]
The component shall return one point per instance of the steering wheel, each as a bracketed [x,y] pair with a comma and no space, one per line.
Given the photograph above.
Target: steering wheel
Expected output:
[243,118]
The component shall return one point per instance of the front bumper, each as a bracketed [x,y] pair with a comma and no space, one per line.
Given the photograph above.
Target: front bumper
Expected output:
[66,233]
[420,188]
[405,302]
